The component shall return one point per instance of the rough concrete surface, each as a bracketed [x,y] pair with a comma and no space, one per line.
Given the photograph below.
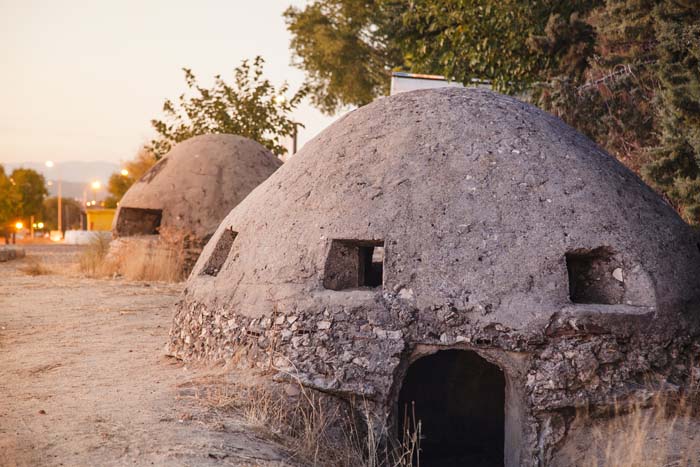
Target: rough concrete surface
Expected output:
[505,232]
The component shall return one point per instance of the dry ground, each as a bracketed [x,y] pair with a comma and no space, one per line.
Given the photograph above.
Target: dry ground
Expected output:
[84,380]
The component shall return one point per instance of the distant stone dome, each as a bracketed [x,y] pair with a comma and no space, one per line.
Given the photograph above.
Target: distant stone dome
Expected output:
[454,220]
[195,185]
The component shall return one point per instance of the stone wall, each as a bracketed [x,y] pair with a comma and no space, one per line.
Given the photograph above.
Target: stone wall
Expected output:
[363,348]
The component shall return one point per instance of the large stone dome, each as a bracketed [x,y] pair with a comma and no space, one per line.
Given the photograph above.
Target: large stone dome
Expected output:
[195,185]
[451,219]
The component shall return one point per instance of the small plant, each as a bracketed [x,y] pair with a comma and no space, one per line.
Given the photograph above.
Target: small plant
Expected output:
[651,433]
[140,259]
[92,261]
[34,267]
[317,429]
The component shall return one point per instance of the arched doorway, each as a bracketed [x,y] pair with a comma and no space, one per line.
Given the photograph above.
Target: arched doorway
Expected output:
[459,399]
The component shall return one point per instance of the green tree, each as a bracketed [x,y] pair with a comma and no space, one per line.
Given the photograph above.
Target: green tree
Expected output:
[348,47]
[71,213]
[9,204]
[613,100]
[31,187]
[250,107]
[676,165]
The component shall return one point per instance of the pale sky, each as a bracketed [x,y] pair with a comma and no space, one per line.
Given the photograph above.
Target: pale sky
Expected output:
[81,79]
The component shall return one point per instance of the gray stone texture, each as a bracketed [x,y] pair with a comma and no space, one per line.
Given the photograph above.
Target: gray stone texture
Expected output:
[488,208]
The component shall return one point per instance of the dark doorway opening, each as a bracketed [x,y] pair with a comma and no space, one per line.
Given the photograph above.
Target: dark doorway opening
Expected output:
[459,399]
[354,263]
[137,221]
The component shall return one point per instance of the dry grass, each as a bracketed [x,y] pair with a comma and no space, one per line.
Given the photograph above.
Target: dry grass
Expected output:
[139,259]
[34,267]
[92,260]
[658,432]
[313,427]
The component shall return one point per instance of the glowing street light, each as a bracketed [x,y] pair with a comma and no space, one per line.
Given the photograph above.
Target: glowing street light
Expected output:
[49,164]
[40,225]
[125,172]
[19,225]
[96,185]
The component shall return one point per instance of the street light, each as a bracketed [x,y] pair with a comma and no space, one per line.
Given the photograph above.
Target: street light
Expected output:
[96,185]
[125,172]
[19,225]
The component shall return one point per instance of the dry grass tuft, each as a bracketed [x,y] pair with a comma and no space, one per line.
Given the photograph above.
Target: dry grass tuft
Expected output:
[316,429]
[660,431]
[92,260]
[34,267]
[139,259]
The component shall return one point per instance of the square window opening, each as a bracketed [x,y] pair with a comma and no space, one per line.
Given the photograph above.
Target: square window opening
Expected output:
[594,277]
[353,264]
[220,254]
[137,221]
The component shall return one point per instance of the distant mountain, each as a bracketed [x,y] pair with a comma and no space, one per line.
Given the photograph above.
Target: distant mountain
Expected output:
[76,176]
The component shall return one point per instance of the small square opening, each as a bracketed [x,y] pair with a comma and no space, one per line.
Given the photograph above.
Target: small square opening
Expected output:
[220,254]
[137,221]
[595,277]
[354,263]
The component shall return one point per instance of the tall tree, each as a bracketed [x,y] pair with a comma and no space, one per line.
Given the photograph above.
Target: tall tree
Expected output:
[71,213]
[347,49]
[9,203]
[31,187]
[251,106]
[676,165]
[613,100]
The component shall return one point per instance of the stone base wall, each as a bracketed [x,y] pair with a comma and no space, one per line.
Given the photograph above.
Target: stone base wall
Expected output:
[363,350]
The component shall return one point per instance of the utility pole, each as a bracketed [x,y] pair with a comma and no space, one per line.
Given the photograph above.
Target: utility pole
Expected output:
[60,209]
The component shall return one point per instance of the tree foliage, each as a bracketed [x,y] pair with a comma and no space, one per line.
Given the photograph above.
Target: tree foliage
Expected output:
[346,47]
[676,165]
[9,202]
[251,107]
[349,47]
[71,213]
[31,187]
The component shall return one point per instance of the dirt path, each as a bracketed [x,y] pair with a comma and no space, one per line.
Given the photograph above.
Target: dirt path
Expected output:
[84,380]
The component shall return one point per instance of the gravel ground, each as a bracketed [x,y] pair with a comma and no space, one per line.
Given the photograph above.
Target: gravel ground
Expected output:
[84,379]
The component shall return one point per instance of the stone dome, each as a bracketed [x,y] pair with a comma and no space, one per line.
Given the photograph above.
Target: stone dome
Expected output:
[451,219]
[194,186]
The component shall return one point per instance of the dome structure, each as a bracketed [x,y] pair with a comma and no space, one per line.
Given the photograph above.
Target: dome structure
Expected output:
[461,250]
[193,188]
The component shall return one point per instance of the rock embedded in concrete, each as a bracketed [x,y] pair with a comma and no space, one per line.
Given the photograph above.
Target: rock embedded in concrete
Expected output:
[502,230]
